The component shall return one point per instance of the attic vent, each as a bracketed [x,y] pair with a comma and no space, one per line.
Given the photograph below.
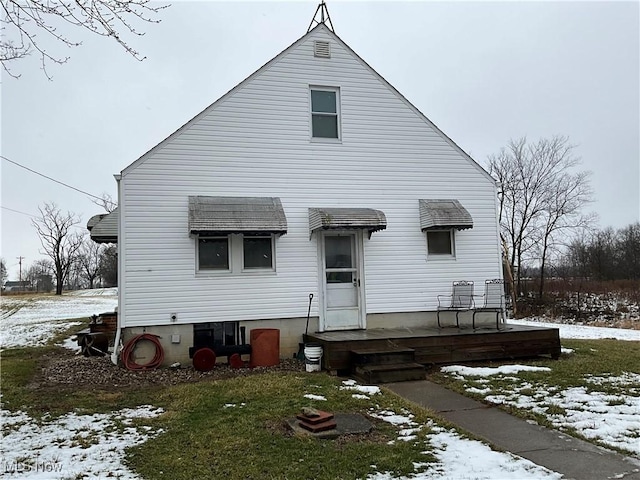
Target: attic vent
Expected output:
[321,49]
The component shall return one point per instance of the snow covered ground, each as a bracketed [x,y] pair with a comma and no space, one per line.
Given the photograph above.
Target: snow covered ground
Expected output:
[72,446]
[458,458]
[33,320]
[611,417]
[93,445]
[583,332]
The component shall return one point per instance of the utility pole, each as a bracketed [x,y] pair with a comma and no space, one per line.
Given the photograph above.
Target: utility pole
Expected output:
[20,263]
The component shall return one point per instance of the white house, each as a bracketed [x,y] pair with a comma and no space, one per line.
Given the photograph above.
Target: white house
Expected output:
[312,176]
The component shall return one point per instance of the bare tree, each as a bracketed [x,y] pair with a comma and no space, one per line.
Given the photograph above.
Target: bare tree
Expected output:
[566,195]
[3,271]
[39,275]
[540,197]
[89,260]
[59,242]
[106,202]
[24,20]
[109,265]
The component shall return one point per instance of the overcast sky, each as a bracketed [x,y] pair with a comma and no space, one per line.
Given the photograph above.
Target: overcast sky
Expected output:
[484,72]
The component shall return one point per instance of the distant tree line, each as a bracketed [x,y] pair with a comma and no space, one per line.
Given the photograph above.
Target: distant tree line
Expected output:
[604,255]
[74,260]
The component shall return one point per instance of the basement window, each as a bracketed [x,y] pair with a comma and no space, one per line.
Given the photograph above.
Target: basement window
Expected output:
[325,115]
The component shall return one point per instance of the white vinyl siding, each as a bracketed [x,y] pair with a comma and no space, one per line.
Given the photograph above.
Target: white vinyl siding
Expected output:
[255,142]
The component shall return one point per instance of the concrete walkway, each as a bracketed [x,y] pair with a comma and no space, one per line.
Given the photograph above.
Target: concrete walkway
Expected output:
[575,459]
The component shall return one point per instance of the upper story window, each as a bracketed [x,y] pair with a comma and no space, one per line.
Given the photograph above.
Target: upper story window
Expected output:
[440,242]
[325,112]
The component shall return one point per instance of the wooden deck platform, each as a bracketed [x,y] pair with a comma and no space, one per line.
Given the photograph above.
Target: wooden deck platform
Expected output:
[434,346]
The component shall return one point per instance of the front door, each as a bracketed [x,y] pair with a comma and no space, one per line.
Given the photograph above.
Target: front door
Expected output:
[341,277]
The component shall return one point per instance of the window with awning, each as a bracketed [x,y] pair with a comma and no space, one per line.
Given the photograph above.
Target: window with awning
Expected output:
[236,234]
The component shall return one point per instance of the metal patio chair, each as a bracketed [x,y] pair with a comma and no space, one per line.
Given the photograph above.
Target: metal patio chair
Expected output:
[460,300]
[493,301]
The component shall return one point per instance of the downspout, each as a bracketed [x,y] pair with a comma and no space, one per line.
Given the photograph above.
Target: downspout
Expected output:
[116,344]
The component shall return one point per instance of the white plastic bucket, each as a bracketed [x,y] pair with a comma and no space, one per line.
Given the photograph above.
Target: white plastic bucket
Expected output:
[313,357]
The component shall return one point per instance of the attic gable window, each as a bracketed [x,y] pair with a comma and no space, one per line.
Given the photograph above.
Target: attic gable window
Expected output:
[325,115]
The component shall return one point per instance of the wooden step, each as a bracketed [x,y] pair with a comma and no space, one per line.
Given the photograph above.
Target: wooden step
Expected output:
[398,372]
[383,356]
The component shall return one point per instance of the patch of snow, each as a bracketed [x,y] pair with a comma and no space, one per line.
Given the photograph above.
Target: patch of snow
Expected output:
[95,292]
[72,446]
[360,396]
[462,371]
[311,396]
[71,343]
[584,332]
[566,351]
[366,389]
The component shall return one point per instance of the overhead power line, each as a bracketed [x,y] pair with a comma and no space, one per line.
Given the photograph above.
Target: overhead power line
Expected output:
[49,178]
[17,211]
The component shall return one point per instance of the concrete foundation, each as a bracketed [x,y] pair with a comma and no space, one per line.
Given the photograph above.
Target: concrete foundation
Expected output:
[176,339]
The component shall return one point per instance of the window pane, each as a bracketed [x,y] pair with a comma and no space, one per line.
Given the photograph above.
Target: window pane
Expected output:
[337,252]
[339,277]
[322,101]
[257,252]
[213,253]
[325,126]
[439,242]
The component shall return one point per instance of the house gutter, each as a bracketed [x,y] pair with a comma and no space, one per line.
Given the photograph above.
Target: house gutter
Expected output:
[116,344]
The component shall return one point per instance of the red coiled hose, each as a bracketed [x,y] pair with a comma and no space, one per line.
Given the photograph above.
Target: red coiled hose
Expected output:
[127,353]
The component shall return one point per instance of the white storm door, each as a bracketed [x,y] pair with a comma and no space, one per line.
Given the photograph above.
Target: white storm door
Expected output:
[341,282]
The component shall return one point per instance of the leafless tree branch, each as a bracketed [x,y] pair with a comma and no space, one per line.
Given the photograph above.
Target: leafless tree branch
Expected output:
[23,20]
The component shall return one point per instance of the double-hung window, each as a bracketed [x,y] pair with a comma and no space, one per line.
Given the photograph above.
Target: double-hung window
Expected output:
[325,112]
[440,242]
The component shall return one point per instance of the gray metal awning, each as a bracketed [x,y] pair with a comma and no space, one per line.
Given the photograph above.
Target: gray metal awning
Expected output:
[346,219]
[224,215]
[103,228]
[444,213]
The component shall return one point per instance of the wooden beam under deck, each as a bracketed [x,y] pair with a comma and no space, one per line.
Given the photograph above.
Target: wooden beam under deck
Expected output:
[444,345]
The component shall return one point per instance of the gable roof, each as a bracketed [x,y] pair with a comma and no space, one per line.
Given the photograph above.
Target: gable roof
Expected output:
[324,28]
